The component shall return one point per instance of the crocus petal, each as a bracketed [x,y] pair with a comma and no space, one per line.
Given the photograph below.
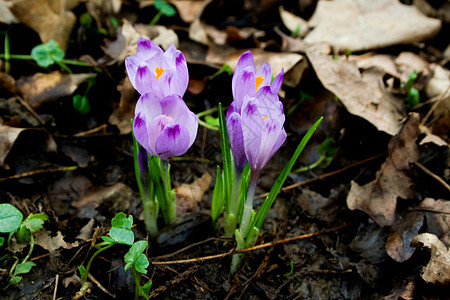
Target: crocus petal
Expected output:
[251,129]
[154,130]
[143,164]
[131,64]
[280,140]
[174,106]
[245,61]
[140,130]
[271,129]
[149,105]
[266,72]
[234,129]
[244,86]
[146,49]
[269,104]
[173,141]
[277,81]
[145,81]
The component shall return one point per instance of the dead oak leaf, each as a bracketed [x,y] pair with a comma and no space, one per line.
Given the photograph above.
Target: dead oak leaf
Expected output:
[42,87]
[438,268]
[50,243]
[8,136]
[367,24]
[378,198]
[361,93]
[188,195]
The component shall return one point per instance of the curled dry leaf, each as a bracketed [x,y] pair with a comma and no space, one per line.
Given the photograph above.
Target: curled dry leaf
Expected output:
[50,19]
[43,88]
[361,94]
[367,24]
[438,218]
[408,62]
[197,32]
[383,62]
[122,115]
[189,194]
[438,268]
[189,10]
[402,232]
[378,198]
[8,136]
[439,84]
[46,240]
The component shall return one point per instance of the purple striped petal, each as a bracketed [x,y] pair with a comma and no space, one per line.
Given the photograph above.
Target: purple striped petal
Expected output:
[277,81]
[146,49]
[269,104]
[149,105]
[244,62]
[131,64]
[245,85]
[174,106]
[173,141]
[145,80]
[155,128]
[251,129]
[140,130]
[269,138]
[234,129]
[280,140]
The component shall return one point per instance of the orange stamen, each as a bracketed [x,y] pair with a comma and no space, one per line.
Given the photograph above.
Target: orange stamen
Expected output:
[159,71]
[258,81]
[264,118]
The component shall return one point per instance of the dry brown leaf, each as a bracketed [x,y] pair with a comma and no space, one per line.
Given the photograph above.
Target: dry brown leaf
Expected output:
[189,194]
[293,22]
[398,245]
[438,218]
[51,243]
[197,32]
[42,87]
[86,231]
[438,268]
[128,35]
[361,94]
[440,120]
[378,198]
[367,24]
[438,84]
[431,138]
[125,111]
[189,10]
[382,62]
[276,60]
[408,62]
[6,16]
[48,18]
[8,136]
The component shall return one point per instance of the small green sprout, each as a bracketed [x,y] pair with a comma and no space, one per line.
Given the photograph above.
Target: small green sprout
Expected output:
[138,262]
[327,150]
[164,9]
[290,271]
[413,96]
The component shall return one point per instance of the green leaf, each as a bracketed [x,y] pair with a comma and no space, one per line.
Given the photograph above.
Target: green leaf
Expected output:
[15,280]
[165,8]
[121,229]
[2,241]
[264,209]
[23,235]
[228,166]
[146,287]
[218,197]
[212,121]
[81,104]
[142,264]
[134,253]
[108,239]
[24,268]
[47,54]
[82,271]
[10,218]
[34,222]
[413,96]
[86,20]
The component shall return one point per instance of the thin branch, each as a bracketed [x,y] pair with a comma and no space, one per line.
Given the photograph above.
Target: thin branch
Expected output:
[434,176]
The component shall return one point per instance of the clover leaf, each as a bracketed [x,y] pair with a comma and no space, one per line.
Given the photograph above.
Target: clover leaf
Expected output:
[47,54]
[136,256]
[121,229]
[10,218]
[165,8]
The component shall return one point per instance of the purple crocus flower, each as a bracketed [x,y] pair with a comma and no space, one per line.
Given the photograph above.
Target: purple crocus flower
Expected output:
[264,117]
[153,70]
[164,127]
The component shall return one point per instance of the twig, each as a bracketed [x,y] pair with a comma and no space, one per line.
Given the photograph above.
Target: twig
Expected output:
[232,251]
[56,287]
[441,97]
[437,178]
[101,286]
[35,172]
[30,109]
[93,130]
[323,176]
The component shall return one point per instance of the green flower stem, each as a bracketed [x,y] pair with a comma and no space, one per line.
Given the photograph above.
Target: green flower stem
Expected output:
[84,279]
[11,271]
[137,285]
[7,54]
[231,215]
[171,208]
[204,124]
[248,206]
[151,208]
[64,66]
[156,18]
[31,249]
[311,166]
[207,112]
[28,57]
